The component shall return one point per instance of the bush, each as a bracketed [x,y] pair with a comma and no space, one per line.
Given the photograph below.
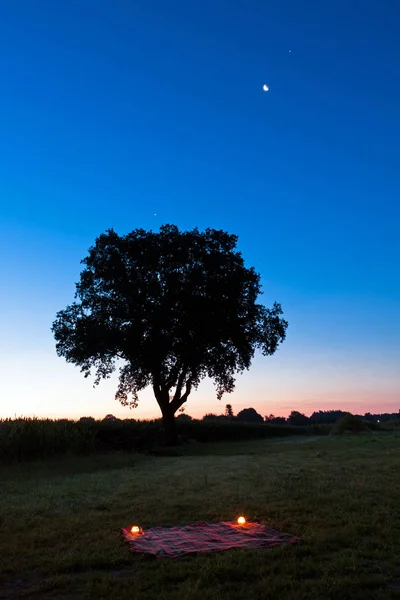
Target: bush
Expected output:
[349,424]
[319,429]
[184,417]
[219,430]
[395,424]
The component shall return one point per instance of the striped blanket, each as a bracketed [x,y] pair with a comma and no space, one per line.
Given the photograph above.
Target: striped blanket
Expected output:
[204,537]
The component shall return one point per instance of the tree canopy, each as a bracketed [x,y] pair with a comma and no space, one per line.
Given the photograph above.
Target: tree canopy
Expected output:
[174,306]
[249,415]
[297,418]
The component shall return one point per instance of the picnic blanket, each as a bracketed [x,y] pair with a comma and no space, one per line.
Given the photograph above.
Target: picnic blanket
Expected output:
[205,537]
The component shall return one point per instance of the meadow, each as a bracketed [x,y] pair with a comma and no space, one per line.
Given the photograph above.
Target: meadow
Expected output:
[60,521]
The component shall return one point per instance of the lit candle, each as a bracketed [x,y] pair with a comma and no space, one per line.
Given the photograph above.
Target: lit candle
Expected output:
[135,529]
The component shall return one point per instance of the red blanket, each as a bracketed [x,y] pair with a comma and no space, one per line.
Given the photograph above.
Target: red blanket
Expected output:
[205,537]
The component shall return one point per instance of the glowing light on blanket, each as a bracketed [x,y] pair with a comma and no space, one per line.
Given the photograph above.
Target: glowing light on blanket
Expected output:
[241,521]
[135,529]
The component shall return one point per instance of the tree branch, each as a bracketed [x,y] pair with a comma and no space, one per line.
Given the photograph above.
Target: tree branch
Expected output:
[174,374]
[179,385]
[179,400]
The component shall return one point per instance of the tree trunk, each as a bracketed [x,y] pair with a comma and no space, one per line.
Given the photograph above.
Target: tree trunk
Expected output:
[170,434]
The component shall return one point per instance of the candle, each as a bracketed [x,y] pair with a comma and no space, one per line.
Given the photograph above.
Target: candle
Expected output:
[135,529]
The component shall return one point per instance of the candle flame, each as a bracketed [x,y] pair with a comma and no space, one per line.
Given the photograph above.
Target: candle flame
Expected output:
[241,520]
[135,529]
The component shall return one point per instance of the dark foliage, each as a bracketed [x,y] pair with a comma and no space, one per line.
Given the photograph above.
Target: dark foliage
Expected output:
[298,419]
[226,430]
[382,417]
[32,439]
[349,424]
[110,417]
[229,411]
[214,417]
[327,416]
[249,415]
[184,417]
[272,420]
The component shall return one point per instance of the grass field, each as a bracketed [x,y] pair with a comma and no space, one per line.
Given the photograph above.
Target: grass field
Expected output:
[60,521]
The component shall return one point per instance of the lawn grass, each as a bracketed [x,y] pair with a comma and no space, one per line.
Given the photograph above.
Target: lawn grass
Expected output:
[60,521]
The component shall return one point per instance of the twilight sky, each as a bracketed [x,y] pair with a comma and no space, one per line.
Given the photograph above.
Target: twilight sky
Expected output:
[113,111]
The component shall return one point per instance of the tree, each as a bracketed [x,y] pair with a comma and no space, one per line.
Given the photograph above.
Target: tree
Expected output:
[174,306]
[183,417]
[273,420]
[249,415]
[297,418]
[87,420]
[326,417]
[110,417]
[229,411]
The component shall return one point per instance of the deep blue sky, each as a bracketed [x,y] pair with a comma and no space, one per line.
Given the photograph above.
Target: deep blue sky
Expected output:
[111,112]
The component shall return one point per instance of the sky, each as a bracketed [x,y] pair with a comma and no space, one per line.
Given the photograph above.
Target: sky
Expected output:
[135,114]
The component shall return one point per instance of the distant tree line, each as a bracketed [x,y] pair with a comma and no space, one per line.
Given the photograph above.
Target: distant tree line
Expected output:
[296,418]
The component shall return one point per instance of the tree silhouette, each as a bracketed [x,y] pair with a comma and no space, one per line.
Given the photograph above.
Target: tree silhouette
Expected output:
[249,415]
[184,417]
[228,411]
[175,307]
[297,418]
[326,416]
[110,417]
[273,420]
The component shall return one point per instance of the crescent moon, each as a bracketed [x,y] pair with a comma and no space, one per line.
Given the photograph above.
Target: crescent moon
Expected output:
[265,87]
